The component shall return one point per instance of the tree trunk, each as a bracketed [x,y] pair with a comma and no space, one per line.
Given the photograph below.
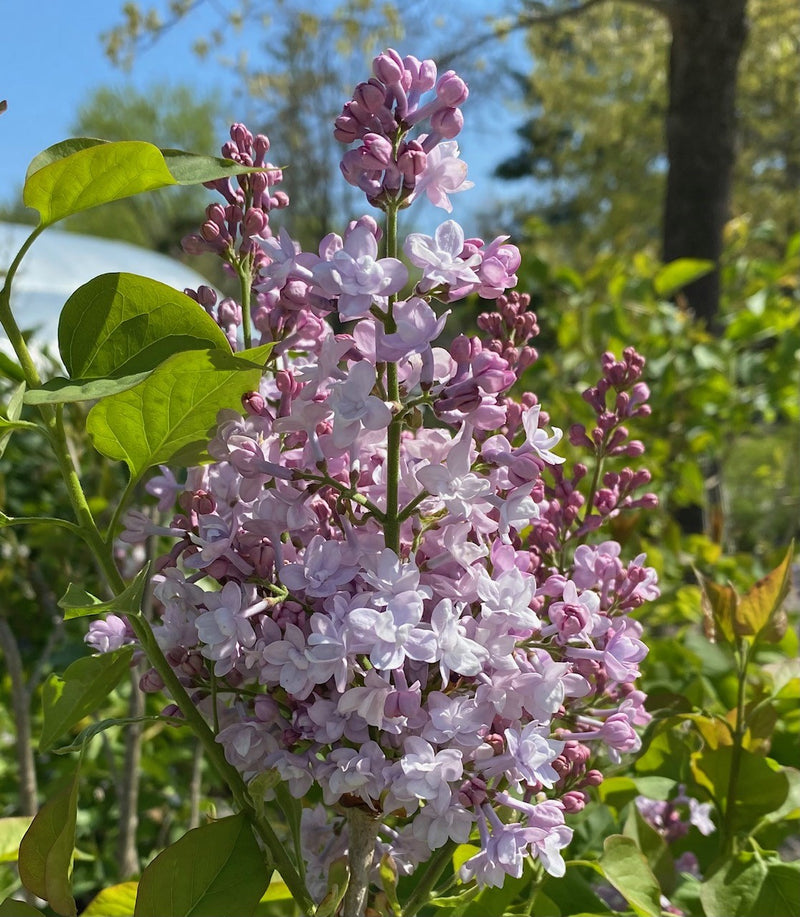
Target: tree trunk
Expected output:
[707,41]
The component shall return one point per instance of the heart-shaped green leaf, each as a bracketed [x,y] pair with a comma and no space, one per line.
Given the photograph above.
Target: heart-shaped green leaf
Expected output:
[215,869]
[94,175]
[122,324]
[84,172]
[169,417]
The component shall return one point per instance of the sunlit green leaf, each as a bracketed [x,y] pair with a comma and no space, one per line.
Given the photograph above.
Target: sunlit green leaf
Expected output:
[169,417]
[116,901]
[711,769]
[679,273]
[45,853]
[759,609]
[64,391]
[12,830]
[84,686]
[212,870]
[123,324]
[93,175]
[195,169]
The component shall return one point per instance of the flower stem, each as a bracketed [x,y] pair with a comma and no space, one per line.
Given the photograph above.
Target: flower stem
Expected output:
[428,879]
[392,523]
[728,835]
[102,551]
[362,834]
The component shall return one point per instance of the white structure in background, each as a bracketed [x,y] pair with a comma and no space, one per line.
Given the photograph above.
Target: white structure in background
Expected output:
[59,262]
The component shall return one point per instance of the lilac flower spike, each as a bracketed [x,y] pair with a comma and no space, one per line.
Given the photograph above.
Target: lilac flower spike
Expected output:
[404,591]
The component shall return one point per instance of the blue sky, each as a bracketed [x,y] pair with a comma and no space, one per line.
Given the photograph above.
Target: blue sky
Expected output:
[52,58]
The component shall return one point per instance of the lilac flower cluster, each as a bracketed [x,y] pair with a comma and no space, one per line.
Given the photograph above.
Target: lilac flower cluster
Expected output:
[385,578]
[389,166]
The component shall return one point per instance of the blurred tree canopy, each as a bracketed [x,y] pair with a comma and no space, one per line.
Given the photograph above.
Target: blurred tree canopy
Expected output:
[595,137]
[635,109]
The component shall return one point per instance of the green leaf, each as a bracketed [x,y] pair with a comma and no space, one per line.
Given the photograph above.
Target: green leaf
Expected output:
[123,324]
[10,368]
[45,853]
[11,832]
[63,391]
[653,846]
[778,895]
[83,172]
[759,609]
[719,609]
[626,868]
[85,686]
[60,150]
[731,890]
[711,769]
[13,414]
[677,274]
[115,901]
[95,728]
[11,907]
[94,174]
[195,169]
[77,603]
[212,870]
[169,417]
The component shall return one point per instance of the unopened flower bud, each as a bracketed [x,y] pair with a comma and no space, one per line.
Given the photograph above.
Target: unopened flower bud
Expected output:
[370,95]
[451,89]
[447,122]
[388,67]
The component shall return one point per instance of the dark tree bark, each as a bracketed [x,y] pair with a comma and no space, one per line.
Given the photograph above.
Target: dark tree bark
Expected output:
[707,41]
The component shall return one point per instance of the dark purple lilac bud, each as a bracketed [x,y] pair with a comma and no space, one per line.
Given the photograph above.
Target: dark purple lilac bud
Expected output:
[496,742]
[371,96]
[346,128]
[151,682]
[447,123]
[412,161]
[203,503]
[472,792]
[242,137]
[260,148]
[255,222]
[212,232]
